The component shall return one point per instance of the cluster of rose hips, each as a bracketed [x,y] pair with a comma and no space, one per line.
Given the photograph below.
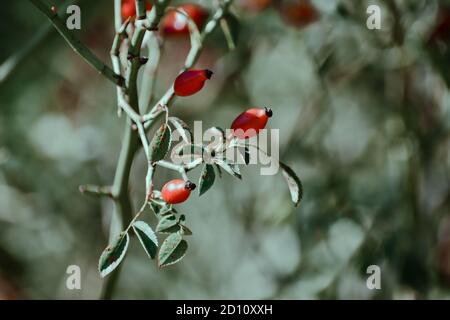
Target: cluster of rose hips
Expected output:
[246,125]
[173,23]
[298,13]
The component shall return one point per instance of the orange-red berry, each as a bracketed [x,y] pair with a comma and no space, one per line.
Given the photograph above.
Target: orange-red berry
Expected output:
[254,5]
[299,13]
[176,23]
[129,8]
[176,191]
[191,81]
[250,122]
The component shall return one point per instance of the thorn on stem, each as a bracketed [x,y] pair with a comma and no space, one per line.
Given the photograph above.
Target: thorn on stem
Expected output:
[82,189]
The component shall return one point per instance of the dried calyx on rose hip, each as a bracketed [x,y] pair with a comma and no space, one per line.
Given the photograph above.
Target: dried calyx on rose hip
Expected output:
[175,23]
[250,122]
[177,191]
[191,81]
[129,8]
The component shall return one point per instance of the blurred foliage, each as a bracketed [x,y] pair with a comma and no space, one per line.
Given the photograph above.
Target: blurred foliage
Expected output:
[364,119]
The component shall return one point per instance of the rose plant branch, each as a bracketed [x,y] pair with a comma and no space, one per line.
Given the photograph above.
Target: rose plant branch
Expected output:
[8,67]
[192,57]
[188,82]
[77,45]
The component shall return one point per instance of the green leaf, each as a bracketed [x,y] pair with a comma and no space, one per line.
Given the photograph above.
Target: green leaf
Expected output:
[172,250]
[186,231]
[155,207]
[294,183]
[113,254]
[168,224]
[229,168]
[182,127]
[207,178]
[160,144]
[146,237]
[219,171]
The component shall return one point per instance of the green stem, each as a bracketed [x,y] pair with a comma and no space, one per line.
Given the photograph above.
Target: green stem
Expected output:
[8,66]
[130,145]
[77,45]
[191,60]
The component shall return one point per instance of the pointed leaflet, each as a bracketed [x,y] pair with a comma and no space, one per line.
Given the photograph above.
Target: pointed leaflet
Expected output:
[294,183]
[219,172]
[186,231]
[172,250]
[207,178]
[168,224]
[146,237]
[182,127]
[113,254]
[160,144]
[231,169]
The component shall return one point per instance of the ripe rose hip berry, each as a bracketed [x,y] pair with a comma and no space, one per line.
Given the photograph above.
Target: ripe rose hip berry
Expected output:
[176,23]
[299,13]
[129,8]
[177,191]
[250,122]
[191,81]
[254,5]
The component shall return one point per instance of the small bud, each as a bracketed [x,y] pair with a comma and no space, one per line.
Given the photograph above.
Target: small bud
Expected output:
[54,9]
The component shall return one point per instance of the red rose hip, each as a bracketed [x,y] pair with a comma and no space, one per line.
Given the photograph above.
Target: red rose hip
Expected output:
[129,8]
[299,13]
[190,82]
[250,122]
[177,191]
[175,23]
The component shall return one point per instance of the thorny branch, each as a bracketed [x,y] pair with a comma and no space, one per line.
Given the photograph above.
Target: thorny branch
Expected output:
[128,101]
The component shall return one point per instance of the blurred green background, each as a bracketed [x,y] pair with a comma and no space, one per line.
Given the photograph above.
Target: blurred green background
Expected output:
[364,119]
